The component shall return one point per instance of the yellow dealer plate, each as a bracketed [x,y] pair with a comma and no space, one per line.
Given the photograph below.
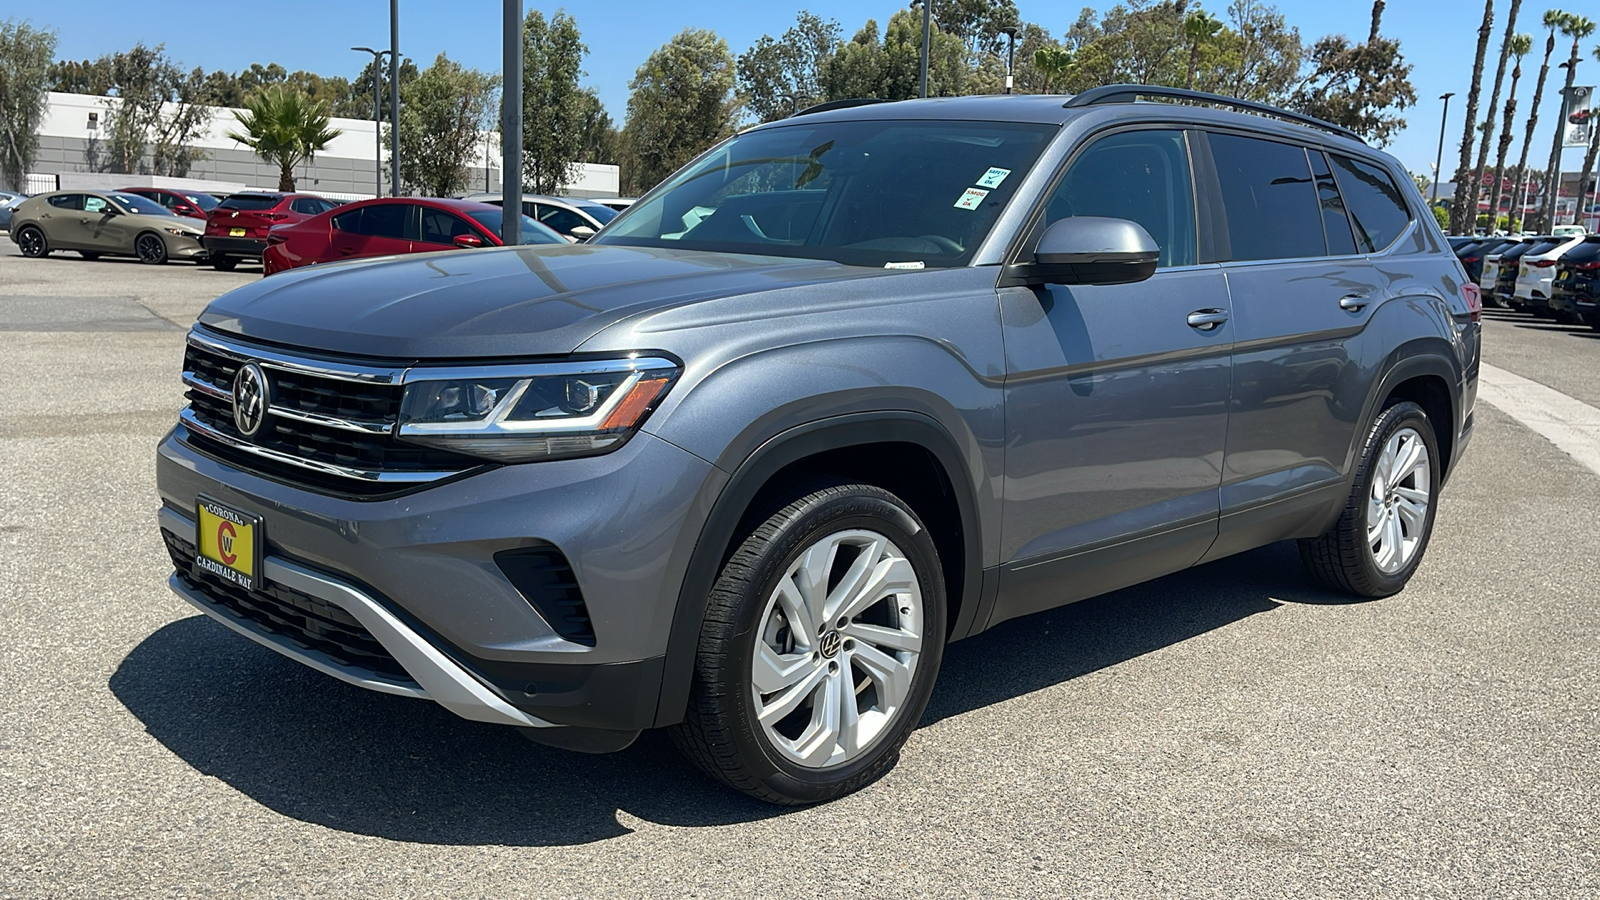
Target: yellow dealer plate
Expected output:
[235,232]
[229,542]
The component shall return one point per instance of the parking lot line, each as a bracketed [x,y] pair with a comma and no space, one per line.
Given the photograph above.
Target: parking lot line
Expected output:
[1569,423]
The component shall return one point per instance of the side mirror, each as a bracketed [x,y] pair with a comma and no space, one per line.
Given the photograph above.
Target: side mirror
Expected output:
[468,240]
[111,211]
[582,232]
[1089,250]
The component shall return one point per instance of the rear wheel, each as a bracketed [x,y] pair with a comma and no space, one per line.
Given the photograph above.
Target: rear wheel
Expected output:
[1379,539]
[32,242]
[150,249]
[224,263]
[819,650]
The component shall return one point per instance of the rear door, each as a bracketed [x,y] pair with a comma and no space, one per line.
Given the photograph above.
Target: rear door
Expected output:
[59,220]
[1116,405]
[377,230]
[1302,292]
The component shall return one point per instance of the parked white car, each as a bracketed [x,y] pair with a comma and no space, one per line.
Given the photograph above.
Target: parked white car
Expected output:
[1568,230]
[1538,268]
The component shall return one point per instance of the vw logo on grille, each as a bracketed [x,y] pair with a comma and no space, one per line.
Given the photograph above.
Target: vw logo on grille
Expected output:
[249,399]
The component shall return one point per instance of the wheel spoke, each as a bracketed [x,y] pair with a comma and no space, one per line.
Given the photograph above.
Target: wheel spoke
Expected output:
[855,578]
[1393,540]
[890,576]
[1414,515]
[801,622]
[775,671]
[817,743]
[1415,495]
[879,636]
[1411,455]
[791,697]
[892,677]
[849,713]
[811,577]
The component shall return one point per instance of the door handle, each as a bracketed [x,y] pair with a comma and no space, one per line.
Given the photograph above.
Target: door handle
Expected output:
[1207,319]
[1354,302]
[346,251]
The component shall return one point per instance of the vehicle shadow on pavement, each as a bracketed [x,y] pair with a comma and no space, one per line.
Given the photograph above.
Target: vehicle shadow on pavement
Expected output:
[1024,655]
[321,751]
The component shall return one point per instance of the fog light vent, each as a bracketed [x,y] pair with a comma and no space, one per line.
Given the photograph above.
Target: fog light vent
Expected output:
[546,581]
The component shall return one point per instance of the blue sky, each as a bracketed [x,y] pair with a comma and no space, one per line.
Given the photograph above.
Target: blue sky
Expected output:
[1437,37]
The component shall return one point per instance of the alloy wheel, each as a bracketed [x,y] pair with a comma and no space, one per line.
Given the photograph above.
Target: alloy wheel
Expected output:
[1397,503]
[837,648]
[31,240]
[150,249]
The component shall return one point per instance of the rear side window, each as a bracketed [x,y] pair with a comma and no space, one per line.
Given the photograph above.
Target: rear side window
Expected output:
[66,201]
[250,201]
[1584,252]
[1377,208]
[1543,247]
[1141,176]
[387,220]
[1335,219]
[1268,197]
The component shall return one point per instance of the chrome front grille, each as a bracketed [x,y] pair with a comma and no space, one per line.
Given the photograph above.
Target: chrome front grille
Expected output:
[329,425]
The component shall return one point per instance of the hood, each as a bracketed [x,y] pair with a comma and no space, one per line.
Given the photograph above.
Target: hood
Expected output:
[501,302]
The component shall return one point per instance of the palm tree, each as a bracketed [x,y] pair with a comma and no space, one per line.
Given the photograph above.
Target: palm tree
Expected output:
[1577,28]
[1552,21]
[1488,119]
[1198,28]
[1459,223]
[284,126]
[1588,158]
[1521,44]
[1052,62]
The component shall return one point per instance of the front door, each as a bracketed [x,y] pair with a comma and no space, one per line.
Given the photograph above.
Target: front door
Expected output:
[1116,405]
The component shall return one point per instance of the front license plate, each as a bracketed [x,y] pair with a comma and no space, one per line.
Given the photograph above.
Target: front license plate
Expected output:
[229,542]
[235,232]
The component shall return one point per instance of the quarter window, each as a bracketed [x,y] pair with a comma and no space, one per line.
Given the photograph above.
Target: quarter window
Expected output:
[1269,199]
[1377,208]
[1141,176]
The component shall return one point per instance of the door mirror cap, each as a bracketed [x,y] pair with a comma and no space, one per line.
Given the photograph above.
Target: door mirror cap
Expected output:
[110,211]
[468,240]
[1089,250]
[582,232]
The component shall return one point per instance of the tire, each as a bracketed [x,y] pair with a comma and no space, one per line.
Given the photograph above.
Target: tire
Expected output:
[818,673]
[90,255]
[32,242]
[150,248]
[1378,561]
[224,263]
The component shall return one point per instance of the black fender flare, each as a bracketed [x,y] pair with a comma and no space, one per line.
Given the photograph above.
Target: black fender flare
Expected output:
[747,480]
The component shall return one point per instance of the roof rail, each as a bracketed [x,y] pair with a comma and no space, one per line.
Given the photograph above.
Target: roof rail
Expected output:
[837,104]
[1129,93]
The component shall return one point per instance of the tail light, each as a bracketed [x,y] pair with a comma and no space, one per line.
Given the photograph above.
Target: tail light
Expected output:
[1543,263]
[274,216]
[1474,298]
[1469,259]
[1588,266]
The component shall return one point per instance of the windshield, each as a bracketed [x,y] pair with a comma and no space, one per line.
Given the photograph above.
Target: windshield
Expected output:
[532,232]
[874,193]
[140,206]
[206,202]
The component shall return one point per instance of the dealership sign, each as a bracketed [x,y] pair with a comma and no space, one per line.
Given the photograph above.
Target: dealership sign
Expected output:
[1580,117]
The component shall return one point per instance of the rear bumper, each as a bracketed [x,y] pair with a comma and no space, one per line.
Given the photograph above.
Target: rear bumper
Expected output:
[234,246]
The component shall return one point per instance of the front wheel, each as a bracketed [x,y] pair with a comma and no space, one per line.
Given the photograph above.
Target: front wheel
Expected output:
[150,249]
[32,242]
[1379,539]
[820,646]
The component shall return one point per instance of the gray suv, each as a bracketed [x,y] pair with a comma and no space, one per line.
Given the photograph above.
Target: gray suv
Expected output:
[846,388]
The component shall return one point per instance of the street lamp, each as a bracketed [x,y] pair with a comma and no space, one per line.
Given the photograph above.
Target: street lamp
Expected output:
[1438,160]
[1553,205]
[794,102]
[1010,31]
[377,114]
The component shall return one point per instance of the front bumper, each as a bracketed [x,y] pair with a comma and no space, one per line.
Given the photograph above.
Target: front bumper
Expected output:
[218,245]
[418,572]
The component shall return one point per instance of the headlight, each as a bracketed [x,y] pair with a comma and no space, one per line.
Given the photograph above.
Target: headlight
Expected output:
[180,232]
[523,413]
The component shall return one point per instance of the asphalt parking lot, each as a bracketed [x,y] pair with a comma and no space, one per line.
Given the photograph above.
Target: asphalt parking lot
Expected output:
[1232,731]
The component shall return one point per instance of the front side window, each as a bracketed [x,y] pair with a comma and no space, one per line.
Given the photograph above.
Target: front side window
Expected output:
[866,193]
[1268,197]
[140,205]
[1141,176]
[92,204]
[562,220]
[440,227]
[1377,208]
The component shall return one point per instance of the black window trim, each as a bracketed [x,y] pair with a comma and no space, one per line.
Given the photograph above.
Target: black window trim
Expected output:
[1027,236]
[1214,184]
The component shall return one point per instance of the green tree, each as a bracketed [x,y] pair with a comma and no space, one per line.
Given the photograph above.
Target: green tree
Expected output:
[25,54]
[1260,55]
[779,76]
[1552,23]
[284,127]
[1053,63]
[979,24]
[553,106]
[1475,186]
[1575,27]
[601,138]
[1200,29]
[1031,38]
[153,107]
[889,69]
[441,117]
[1357,85]
[1519,46]
[681,103]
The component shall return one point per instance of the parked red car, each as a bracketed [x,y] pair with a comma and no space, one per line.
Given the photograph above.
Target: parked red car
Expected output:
[237,228]
[194,204]
[392,225]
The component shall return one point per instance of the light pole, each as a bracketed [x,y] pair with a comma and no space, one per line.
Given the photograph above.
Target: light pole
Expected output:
[511,126]
[1010,31]
[927,36]
[1553,203]
[794,102]
[394,97]
[1438,159]
[377,116]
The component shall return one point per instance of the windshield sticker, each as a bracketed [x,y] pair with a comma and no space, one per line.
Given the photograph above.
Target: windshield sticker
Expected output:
[993,178]
[917,264]
[970,198]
